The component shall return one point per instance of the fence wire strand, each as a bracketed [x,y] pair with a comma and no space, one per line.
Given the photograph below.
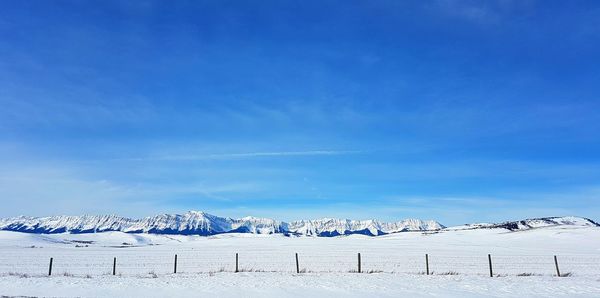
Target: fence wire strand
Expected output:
[134,263]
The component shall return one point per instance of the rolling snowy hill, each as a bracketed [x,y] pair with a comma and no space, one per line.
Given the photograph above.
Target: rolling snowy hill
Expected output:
[531,223]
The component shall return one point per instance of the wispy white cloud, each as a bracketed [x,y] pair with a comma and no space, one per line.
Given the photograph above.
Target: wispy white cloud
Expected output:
[244,155]
[482,11]
[52,189]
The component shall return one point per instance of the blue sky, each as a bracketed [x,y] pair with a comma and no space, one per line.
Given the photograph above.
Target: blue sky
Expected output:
[458,111]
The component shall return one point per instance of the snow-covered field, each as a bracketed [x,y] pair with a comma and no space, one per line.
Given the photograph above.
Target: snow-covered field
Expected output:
[304,285]
[392,265]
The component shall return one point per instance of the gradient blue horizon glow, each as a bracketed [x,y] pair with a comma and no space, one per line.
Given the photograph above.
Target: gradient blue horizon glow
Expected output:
[458,111]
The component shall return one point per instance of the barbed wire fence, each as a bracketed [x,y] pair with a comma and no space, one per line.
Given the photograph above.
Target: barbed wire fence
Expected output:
[134,263]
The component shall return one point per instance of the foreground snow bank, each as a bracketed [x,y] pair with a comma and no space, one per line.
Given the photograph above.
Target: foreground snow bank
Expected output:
[259,284]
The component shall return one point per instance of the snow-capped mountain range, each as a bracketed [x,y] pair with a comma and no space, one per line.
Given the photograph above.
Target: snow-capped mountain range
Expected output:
[200,223]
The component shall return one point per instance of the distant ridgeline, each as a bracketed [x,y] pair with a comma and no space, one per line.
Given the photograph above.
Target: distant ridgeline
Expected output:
[200,223]
[532,223]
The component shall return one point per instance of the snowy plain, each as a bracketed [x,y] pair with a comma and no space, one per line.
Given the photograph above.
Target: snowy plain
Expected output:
[392,265]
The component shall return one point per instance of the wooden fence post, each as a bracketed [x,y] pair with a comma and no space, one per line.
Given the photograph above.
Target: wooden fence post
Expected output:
[297,265]
[556,264]
[490,263]
[115,266]
[50,267]
[359,269]
[236,263]
[175,265]
[427,264]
